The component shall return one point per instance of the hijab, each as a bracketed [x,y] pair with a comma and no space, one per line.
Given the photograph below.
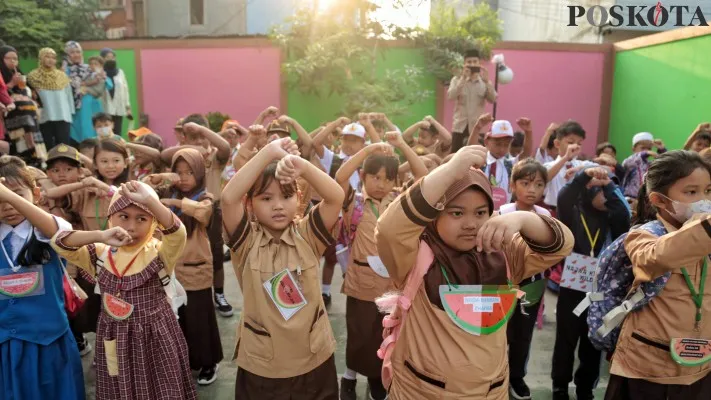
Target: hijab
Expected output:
[196,162]
[461,267]
[7,73]
[120,202]
[77,73]
[111,70]
[47,78]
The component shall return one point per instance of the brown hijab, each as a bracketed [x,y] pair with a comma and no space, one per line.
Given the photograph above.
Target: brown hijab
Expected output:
[462,267]
[196,162]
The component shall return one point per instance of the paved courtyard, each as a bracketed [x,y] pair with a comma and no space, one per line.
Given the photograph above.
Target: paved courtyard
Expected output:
[223,389]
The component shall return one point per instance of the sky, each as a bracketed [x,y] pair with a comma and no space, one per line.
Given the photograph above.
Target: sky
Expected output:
[415,13]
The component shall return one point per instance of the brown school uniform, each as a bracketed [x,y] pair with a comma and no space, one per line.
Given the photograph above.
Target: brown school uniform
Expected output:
[433,358]
[213,173]
[92,210]
[191,270]
[642,350]
[269,349]
[362,286]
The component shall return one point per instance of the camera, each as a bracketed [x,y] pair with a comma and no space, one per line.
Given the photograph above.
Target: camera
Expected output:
[474,69]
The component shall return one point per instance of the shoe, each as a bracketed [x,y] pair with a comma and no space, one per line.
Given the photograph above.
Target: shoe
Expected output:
[348,389]
[84,347]
[584,395]
[223,307]
[376,391]
[228,256]
[519,390]
[560,393]
[208,375]
[326,300]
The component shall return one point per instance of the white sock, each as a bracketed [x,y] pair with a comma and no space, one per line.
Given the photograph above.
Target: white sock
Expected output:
[325,289]
[350,374]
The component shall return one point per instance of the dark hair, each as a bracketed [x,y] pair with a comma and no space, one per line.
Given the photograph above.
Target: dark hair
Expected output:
[266,179]
[74,163]
[190,222]
[568,128]
[197,119]
[551,142]
[472,53]
[101,117]
[151,140]
[114,146]
[528,169]
[706,155]
[602,146]
[373,164]
[518,138]
[703,135]
[663,172]
[13,169]
[88,144]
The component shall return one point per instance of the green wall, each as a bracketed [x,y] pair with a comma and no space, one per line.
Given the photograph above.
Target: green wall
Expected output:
[126,60]
[312,111]
[662,89]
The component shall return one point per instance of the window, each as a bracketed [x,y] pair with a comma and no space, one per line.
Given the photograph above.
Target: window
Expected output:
[197,12]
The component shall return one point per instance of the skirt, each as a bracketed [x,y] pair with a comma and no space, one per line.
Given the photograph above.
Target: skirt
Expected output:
[319,384]
[32,371]
[365,334]
[87,318]
[199,325]
[621,388]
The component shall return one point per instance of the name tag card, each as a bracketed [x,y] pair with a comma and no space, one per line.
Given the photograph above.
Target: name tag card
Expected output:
[285,294]
[579,272]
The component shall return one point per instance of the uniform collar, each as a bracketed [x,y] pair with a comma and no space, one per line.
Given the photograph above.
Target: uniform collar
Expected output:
[23,230]
[490,159]
[286,237]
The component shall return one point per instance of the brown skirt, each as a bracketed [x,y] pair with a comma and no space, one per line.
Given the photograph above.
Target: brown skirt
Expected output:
[199,325]
[621,388]
[319,384]
[365,334]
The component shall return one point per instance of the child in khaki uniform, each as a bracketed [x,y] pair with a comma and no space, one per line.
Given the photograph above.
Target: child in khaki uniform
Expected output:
[677,192]
[366,278]
[450,211]
[285,343]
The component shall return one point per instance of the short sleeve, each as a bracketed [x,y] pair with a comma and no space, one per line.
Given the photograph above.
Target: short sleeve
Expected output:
[315,232]
[172,244]
[84,257]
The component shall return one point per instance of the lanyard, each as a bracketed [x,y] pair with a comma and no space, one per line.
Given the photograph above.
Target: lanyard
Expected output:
[102,225]
[590,238]
[116,272]
[447,278]
[697,297]
[375,210]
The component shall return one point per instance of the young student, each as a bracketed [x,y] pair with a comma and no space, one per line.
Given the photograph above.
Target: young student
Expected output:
[677,192]
[146,151]
[196,133]
[87,146]
[528,181]
[449,211]
[637,164]
[591,206]
[104,126]
[140,350]
[38,354]
[366,277]
[189,200]
[700,138]
[285,346]
[432,136]
[498,162]
[569,137]
[606,155]
[516,146]
[546,151]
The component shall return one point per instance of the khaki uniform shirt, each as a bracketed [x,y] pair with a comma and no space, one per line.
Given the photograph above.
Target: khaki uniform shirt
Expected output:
[268,345]
[194,269]
[642,350]
[457,365]
[213,174]
[93,210]
[470,101]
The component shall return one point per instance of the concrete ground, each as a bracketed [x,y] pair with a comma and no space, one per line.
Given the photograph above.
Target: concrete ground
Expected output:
[539,366]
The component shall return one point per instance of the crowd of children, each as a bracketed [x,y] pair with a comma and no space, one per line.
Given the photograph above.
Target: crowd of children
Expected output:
[445,255]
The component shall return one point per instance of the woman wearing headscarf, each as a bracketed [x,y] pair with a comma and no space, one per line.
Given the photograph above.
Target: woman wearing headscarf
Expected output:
[116,99]
[21,123]
[81,76]
[55,95]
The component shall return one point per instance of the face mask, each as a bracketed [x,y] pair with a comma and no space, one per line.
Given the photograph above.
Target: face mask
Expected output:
[104,131]
[684,211]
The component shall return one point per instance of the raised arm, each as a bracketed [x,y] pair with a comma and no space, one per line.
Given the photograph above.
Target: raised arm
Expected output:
[148,151]
[445,136]
[364,119]
[167,155]
[703,127]
[217,141]
[455,86]
[482,122]
[269,111]
[64,190]
[304,137]
[321,136]
[547,137]
[408,135]
[349,167]
[527,128]
[40,219]
[417,166]
[248,148]
[554,168]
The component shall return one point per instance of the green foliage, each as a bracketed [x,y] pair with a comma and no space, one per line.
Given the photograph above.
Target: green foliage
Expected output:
[29,25]
[336,52]
[215,119]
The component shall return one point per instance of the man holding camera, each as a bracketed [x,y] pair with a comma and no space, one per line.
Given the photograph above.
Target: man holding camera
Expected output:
[470,90]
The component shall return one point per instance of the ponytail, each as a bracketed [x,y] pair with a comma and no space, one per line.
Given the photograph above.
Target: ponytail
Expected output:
[645,212]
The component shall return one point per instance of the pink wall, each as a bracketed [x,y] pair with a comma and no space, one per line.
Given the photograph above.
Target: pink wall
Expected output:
[240,82]
[549,86]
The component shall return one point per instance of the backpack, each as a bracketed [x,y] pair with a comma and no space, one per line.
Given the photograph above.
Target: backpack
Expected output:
[613,296]
[396,305]
[347,231]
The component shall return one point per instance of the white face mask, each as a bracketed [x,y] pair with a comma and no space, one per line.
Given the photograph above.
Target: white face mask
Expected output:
[684,211]
[104,131]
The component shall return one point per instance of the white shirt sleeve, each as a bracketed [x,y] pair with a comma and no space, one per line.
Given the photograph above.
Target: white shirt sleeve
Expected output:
[62,224]
[327,159]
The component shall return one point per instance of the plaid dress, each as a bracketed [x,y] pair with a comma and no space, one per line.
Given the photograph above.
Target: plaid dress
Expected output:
[151,351]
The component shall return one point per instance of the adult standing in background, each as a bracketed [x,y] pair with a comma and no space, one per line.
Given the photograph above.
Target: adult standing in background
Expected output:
[86,105]
[470,90]
[116,99]
[55,95]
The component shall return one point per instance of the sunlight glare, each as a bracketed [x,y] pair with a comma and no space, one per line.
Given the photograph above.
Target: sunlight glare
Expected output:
[415,13]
